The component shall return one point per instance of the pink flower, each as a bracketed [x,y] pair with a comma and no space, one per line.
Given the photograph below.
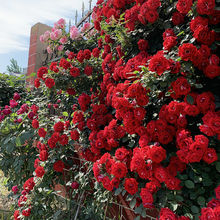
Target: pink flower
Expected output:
[16,96]
[56,34]
[63,40]
[15,189]
[67,52]
[49,50]
[60,48]
[13,103]
[60,23]
[46,35]
[74,32]
[85,27]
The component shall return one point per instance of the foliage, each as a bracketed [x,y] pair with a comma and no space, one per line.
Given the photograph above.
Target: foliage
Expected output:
[8,86]
[136,102]
[13,67]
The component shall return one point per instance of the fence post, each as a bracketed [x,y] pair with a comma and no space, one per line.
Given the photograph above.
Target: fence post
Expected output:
[90,8]
[76,16]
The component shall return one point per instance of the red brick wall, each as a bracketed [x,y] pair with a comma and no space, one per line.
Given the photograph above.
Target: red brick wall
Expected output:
[35,51]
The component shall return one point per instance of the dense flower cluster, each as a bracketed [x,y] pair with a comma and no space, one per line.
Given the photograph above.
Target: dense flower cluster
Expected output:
[150,117]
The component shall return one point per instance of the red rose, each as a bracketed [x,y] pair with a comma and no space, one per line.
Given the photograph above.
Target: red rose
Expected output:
[63,140]
[58,127]
[74,71]
[187,51]
[153,4]
[121,153]
[37,83]
[39,171]
[71,91]
[119,169]
[53,67]
[183,6]
[41,72]
[22,200]
[205,7]
[177,18]
[142,45]
[166,213]
[119,4]
[16,215]
[198,21]
[75,185]
[151,16]
[65,64]
[147,198]
[213,203]
[181,86]
[217,192]
[58,166]
[29,184]
[80,56]
[42,132]
[49,82]
[212,71]
[107,183]
[36,163]
[131,185]
[144,140]
[87,54]
[207,213]
[161,174]
[168,33]
[214,59]
[95,52]
[115,182]
[203,35]
[164,136]
[169,42]
[157,154]
[43,155]
[74,135]
[158,64]
[88,70]
[16,96]
[26,212]
[35,124]
[210,156]
[97,25]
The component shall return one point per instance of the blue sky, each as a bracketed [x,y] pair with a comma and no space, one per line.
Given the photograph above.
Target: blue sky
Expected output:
[17,17]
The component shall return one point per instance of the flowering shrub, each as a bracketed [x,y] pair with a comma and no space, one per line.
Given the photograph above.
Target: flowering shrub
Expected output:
[138,100]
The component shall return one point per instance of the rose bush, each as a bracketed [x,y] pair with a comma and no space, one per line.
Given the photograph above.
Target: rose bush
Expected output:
[138,99]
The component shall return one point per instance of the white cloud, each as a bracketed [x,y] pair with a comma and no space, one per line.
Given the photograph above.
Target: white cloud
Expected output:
[17,17]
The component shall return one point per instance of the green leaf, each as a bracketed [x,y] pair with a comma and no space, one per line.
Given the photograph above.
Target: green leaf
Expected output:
[125,139]
[190,99]
[137,218]
[129,197]
[143,213]
[201,200]
[179,198]
[218,166]
[65,114]
[139,209]
[118,191]
[189,184]
[18,141]
[123,192]
[131,143]
[194,209]
[10,147]
[132,203]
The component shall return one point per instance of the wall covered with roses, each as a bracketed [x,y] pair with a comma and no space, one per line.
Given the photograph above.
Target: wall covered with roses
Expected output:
[131,108]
